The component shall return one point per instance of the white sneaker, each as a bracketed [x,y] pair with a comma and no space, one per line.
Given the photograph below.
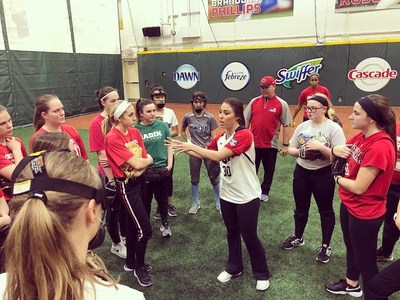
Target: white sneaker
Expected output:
[225,276]
[262,285]
[119,250]
[264,198]
[166,230]
[194,208]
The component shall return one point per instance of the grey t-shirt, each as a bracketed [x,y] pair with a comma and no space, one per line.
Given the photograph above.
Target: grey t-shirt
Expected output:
[200,128]
[329,133]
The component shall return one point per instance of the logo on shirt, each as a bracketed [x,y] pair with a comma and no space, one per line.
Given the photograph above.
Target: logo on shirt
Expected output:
[199,128]
[272,109]
[152,135]
[299,72]
[233,142]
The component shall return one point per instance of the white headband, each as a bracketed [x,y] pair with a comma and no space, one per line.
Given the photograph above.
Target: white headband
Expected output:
[106,95]
[121,109]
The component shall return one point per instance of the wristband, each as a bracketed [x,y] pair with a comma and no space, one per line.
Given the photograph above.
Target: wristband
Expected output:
[286,145]
[337,179]
[332,151]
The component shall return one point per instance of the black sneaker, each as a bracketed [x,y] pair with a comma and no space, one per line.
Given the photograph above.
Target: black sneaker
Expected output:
[157,215]
[172,211]
[380,256]
[143,277]
[324,253]
[292,242]
[147,268]
[342,288]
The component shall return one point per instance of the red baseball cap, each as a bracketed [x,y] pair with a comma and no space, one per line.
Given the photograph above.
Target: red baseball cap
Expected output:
[266,81]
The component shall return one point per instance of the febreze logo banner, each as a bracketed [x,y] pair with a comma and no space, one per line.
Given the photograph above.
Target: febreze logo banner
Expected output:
[299,72]
[186,76]
[235,76]
[372,74]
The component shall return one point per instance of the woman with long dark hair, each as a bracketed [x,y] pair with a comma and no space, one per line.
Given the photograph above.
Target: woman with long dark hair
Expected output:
[371,156]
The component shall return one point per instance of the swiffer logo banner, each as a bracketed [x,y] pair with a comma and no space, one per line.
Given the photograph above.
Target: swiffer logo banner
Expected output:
[186,76]
[372,74]
[299,72]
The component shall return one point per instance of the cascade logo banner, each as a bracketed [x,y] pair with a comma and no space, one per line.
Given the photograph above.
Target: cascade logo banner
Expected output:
[343,6]
[245,10]
[299,72]
[372,74]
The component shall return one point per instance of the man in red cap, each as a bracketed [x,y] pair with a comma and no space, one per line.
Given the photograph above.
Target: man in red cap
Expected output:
[265,115]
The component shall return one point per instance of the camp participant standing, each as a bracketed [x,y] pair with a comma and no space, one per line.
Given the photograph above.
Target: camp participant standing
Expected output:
[50,116]
[107,96]
[154,133]
[128,160]
[311,144]
[305,94]
[371,157]
[167,115]
[199,127]
[12,150]
[264,116]
[240,189]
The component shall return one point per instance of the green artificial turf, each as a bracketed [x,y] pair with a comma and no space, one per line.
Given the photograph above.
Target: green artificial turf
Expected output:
[186,265]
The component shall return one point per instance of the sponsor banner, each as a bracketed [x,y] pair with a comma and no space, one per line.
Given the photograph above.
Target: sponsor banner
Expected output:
[235,76]
[299,72]
[186,76]
[245,10]
[343,6]
[372,74]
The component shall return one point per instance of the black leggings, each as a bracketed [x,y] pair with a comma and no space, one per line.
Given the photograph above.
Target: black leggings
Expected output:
[138,227]
[390,231]
[321,185]
[360,237]
[386,282]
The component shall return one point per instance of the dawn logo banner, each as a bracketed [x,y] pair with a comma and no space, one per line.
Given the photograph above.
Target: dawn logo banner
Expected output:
[299,72]
[186,76]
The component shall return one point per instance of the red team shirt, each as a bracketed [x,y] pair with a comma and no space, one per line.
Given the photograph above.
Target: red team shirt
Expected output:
[308,92]
[6,159]
[364,152]
[96,140]
[265,121]
[79,146]
[117,148]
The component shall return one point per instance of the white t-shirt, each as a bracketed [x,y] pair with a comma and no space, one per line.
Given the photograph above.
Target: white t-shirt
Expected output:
[102,292]
[169,117]
[329,133]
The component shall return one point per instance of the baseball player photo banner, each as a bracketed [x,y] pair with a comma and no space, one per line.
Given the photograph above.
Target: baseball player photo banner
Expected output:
[344,6]
[244,10]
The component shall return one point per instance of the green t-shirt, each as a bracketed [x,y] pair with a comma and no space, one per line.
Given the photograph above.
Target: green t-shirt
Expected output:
[154,136]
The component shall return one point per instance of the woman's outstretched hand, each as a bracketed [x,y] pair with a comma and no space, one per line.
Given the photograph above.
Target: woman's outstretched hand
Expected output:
[178,146]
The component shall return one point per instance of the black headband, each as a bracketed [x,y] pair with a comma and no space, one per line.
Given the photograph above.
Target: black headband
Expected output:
[370,109]
[319,99]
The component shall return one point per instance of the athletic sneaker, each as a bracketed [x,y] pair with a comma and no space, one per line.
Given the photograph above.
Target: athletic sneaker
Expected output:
[157,215]
[147,268]
[264,198]
[194,208]
[225,276]
[172,211]
[166,230]
[118,250]
[343,288]
[143,277]
[380,256]
[324,253]
[292,242]
[262,285]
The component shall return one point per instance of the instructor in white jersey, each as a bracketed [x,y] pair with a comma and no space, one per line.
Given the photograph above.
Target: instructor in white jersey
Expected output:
[240,190]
